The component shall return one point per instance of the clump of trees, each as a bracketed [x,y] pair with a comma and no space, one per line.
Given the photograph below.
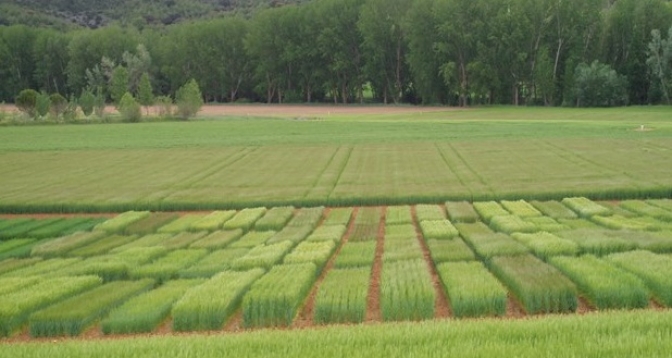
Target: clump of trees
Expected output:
[457,52]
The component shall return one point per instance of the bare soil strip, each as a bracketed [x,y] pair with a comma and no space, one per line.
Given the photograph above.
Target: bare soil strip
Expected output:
[441,306]
[514,309]
[373,312]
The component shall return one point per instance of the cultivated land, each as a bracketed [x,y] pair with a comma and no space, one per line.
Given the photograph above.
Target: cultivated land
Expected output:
[407,254]
[346,159]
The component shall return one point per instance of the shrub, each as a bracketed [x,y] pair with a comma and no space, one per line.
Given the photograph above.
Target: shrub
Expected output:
[598,85]
[87,102]
[165,106]
[26,102]
[58,104]
[129,108]
[42,104]
[189,100]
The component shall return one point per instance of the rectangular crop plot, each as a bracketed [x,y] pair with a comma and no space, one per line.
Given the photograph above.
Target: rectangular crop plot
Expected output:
[121,221]
[150,223]
[274,299]
[356,254]
[619,222]
[73,315]
[450,250]
[13,284]
[252,239]
[461,211]
[644,208]
[366,224]
[342,296]
[104,267]
[168,267]
[605,285]
[183,240]
[406,291]
[438,229]
[67,243]
[264,256]
[545,245]
[22,230]
[585,207]
[487,243]
[215,262]
[43,267]
[426,212]
[103,245]
[209,305]
[180,224]
[58,228]
[328,233]
[546,223]
[275,219]
[489,209]
[338,216]
[520,208]
[597,241]
[554,209]
[12,264]
[315,252]
[396,215]
[145,241]
[541,288]
[15,308]
[212,221]
[141,314]
[655,270]
[472,290]
[510,223]
[217,240]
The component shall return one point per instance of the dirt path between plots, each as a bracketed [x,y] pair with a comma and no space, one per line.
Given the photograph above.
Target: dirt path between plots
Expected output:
[289,110]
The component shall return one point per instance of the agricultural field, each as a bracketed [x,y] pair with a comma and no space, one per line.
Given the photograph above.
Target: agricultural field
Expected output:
[224,271]
[429,231]
[338,160]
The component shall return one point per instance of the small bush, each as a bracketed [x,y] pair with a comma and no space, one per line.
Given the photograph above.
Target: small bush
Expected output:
[58,104]
[165,106]
[129,108]
[26,102]
[42,104]
[189,100]
[87,102]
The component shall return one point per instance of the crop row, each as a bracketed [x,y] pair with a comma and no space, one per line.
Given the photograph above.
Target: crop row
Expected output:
[406,291]
[342,296]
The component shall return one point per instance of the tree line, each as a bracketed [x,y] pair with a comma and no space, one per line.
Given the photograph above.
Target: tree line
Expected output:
[456,52]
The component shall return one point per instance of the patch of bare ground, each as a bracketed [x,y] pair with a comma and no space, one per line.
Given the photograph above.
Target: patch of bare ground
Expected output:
[655,305]
[373,312]
[235,322]
[584,306]
[305,317]
[513,308]
[442,308]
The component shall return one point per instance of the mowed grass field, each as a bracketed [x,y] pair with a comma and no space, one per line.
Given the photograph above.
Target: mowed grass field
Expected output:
[237,162]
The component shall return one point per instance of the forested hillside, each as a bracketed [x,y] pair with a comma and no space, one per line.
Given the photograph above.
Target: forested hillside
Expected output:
[458,52]
[139,13]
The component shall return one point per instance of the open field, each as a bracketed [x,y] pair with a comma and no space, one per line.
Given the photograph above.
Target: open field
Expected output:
[345,159]
[442,216]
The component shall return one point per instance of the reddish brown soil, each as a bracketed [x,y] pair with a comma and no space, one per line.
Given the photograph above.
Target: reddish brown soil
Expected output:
[584,307]
[235,322]
[441,306]
[373,312]
[513,308]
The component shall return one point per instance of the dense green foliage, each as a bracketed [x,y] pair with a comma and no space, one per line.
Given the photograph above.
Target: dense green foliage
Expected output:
[448,51]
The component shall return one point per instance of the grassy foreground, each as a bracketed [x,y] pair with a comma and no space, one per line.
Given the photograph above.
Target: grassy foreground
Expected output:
[477,154]
[610,334]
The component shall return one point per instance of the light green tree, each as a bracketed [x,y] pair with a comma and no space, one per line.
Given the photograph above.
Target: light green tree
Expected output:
[189,100]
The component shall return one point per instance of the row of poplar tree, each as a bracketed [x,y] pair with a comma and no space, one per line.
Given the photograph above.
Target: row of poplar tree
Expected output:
[458,52]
